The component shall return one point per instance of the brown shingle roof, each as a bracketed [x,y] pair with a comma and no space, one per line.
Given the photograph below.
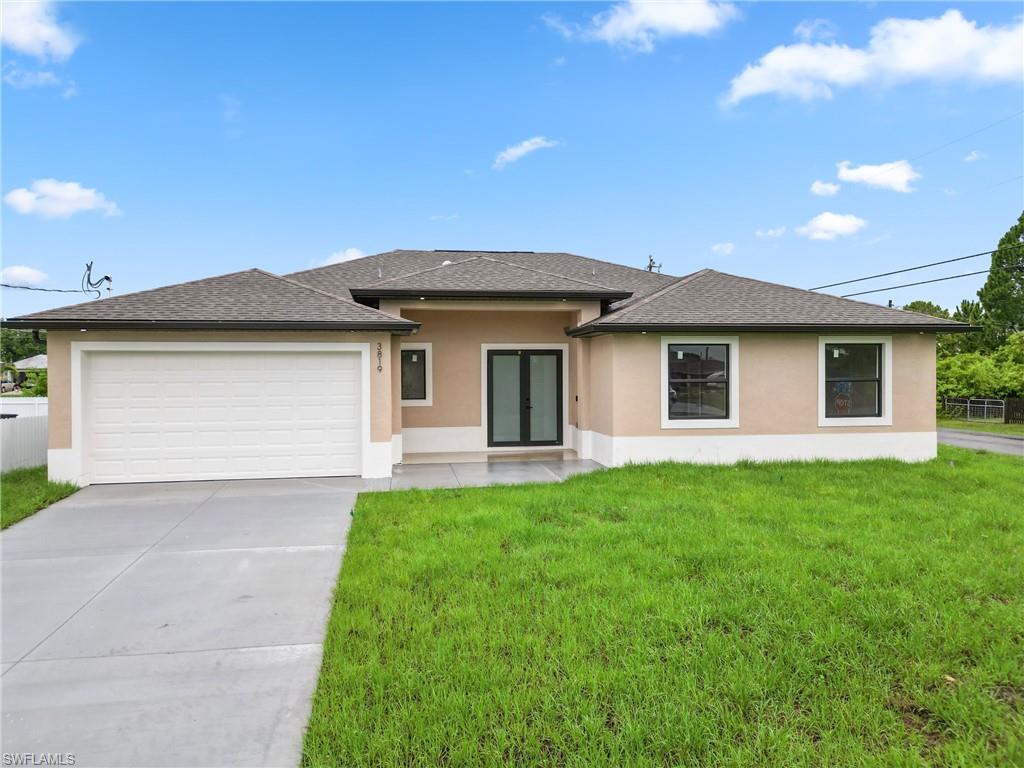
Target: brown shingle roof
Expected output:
[709,299]
[485,276]
[249,299]
[364,272]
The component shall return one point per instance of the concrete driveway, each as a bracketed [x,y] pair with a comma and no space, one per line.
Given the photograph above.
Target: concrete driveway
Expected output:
[174,624]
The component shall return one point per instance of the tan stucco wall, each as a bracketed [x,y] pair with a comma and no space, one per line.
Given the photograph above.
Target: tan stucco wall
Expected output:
[778,388]
[602,384]
[58,349]
[455,337]
[396,385]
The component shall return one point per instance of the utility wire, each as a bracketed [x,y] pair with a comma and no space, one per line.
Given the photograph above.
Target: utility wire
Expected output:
[47,290]
[925,282]
[950,143]
[923,266]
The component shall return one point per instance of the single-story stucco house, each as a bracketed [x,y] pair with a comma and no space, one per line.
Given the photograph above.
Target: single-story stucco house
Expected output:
[352,368]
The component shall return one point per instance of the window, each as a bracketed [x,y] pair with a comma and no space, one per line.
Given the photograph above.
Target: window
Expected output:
[699,382]
[853,380]
[416,374]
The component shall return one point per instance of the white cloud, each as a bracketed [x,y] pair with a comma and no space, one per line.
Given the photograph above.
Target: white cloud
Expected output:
[32,28]
[829,226]
[19,78]
[54,199]
[555,22]
[815,29]
[824,188]
[21,275]
[23,79]
[770,234]
[948,47]
[637,24]
[896,175]
[337,257]
[559,61]
[444,217]
[723,249]
[974,155]
[520,150]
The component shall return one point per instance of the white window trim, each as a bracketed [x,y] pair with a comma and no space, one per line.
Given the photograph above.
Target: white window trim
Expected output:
[885,420]
[733,421]
[428,350]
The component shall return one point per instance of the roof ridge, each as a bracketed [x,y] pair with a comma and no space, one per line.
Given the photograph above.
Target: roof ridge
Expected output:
[145,290]
[421,271]
[623,311]
[832,295]
[326,293]
[614,264]
[544,272]
[348,261]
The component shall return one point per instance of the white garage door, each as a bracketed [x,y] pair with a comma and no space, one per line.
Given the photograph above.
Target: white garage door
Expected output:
[220,415]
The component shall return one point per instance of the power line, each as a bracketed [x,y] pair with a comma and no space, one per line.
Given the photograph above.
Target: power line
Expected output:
[967,135]
[949,144]
[47,290]
[923,266]
[925,282]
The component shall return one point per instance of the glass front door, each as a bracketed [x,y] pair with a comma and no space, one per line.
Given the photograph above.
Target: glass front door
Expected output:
[524,397]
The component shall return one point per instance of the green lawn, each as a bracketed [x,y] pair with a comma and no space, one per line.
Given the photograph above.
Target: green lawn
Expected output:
[25,491]
[982,426]
[780,615]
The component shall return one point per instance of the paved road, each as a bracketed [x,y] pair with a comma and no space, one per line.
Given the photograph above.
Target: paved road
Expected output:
[173,624]
[1014,446]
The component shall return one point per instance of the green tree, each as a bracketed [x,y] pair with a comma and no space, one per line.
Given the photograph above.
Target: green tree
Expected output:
[969,312]
[17,345]
[926,308]
[1002,296]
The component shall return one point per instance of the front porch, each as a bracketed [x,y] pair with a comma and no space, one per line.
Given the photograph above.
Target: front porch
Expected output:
[487,382]
[484,471]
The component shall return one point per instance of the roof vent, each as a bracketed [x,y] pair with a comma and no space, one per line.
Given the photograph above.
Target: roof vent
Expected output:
[446,262]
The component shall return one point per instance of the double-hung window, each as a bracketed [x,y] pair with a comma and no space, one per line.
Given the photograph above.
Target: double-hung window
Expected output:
[855,381]
[416,374]
[699,382]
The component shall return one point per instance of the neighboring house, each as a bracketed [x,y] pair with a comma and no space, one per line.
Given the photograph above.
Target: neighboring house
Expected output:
[34,363]
[351,368]
[14,375]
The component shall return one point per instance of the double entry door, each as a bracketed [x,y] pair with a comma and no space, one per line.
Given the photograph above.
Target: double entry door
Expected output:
[524,397]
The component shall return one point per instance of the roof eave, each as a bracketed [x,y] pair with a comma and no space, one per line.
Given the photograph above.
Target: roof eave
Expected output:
[401,328]
[599,328]
[404,293]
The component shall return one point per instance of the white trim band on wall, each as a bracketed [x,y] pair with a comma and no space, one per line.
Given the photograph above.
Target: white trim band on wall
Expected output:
[728,449]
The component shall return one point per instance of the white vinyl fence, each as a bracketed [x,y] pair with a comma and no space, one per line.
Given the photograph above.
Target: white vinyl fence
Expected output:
[22,442]
[24,406]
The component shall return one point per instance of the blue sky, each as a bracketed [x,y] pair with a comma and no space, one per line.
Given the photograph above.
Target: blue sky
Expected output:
[217,137]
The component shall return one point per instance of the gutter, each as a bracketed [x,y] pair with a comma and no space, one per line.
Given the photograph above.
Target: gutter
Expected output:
[400,328]
[601,328]
[384,293]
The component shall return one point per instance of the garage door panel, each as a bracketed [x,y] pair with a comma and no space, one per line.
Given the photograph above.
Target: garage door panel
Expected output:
[198,415]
